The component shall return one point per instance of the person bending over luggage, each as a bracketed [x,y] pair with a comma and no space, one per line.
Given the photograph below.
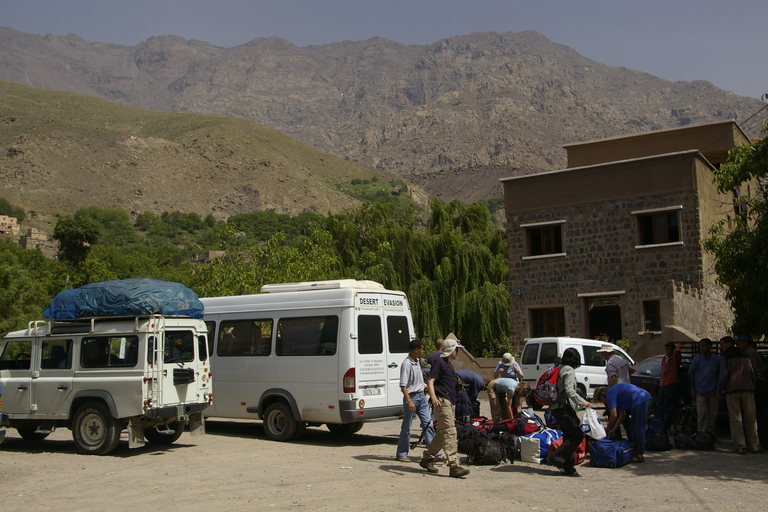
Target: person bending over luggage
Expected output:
[564,412]
[521,393]
[622,399]
[505,394]
[473,384]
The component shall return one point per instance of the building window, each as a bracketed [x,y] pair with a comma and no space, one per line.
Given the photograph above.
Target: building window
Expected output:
[547,322]
[544,239]
[656,227]
[651,315]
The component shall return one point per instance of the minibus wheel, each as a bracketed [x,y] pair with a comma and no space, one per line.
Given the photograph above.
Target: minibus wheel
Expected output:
[279,423]
[344,429]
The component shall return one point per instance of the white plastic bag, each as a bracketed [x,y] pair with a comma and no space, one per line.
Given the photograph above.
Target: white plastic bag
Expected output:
[591,426]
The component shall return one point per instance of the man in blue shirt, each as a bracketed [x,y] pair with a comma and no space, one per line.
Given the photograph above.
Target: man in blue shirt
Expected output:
[622,399]
[704,372]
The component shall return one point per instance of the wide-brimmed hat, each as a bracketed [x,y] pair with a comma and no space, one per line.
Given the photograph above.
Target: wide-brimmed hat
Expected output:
[606,347]
[507,358]
[449,345]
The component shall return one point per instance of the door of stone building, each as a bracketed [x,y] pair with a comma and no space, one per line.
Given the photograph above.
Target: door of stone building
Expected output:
[605,317]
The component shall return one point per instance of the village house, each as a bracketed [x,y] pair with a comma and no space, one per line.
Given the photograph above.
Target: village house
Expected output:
[609,246]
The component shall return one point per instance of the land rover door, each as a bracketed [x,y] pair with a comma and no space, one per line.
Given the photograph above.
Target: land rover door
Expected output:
[16,376]
[52,377]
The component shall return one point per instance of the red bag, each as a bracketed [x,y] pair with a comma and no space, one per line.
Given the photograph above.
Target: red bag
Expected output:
[580,454]
[546,388]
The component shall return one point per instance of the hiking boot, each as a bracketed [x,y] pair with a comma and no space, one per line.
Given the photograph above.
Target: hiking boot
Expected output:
[428,464]
[458,472]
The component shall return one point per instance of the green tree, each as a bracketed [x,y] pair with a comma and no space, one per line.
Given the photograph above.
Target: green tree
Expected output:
[75,238]
[6,208]
[23,295]
[742,251]
[245,269]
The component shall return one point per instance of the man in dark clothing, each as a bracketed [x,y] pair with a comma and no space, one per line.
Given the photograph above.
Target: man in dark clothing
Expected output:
[747,347]
[434,356]
[442,385]
[737,381]
[669,384]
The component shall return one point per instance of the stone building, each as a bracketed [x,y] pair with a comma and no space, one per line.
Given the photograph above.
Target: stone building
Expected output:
[39,239]
[609,246]
[9,227]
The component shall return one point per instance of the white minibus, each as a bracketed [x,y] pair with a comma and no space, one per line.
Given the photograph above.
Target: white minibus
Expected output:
[312,353]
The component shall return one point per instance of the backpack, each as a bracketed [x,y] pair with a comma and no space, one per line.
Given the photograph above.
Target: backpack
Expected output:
[546,388]
[487,449]
[656,436]
[466,433]
[704,440]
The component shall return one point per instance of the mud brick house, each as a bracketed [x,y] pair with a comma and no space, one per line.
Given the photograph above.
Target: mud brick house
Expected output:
[610,244]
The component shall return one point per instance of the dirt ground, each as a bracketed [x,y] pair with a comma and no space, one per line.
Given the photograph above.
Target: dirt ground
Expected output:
[234,467]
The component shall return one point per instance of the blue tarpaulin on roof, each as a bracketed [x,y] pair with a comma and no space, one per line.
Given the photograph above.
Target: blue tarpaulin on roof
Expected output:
[125,297]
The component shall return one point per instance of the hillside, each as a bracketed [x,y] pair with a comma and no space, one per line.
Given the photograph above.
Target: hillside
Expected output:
[454,116]
[60,152]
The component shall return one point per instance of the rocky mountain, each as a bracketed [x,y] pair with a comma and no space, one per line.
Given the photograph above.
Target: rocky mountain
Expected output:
[60,152]
[453,116]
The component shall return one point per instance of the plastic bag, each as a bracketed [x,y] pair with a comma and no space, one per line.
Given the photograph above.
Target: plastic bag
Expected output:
[591,426]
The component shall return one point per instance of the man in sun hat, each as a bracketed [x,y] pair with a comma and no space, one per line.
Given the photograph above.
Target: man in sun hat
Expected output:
[442,386]
[617,368]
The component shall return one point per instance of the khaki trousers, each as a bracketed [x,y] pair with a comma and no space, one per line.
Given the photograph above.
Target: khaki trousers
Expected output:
[741,405]
[445,438]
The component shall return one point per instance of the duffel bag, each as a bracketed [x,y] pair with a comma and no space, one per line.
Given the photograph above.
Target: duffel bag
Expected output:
[609,453]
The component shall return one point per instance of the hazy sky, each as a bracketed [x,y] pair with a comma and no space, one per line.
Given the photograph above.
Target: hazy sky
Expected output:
[722,42]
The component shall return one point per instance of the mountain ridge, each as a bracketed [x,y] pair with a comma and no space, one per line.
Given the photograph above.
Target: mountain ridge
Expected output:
[453,116]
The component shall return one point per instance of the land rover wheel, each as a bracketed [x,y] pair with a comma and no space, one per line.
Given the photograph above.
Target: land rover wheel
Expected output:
[29,434]
[279,423]
[94,430]
[344,429]
[164,434]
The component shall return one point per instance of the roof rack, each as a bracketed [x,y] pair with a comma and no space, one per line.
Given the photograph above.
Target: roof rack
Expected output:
[321,285]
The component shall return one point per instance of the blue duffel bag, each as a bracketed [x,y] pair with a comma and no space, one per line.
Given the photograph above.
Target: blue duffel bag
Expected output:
[610,453]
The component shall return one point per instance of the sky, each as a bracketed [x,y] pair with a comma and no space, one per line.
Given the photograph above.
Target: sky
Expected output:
[721,42]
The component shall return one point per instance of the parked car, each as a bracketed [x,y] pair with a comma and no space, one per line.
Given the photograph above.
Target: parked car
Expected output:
[539,354]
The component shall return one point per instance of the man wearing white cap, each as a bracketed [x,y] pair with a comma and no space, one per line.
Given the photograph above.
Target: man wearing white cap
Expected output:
[442,386]
[617,368]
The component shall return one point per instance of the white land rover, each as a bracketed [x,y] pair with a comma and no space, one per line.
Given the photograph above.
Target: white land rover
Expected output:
[98,376]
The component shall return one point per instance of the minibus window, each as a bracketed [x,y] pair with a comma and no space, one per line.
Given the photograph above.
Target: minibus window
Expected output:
[307,336]
[397,334]
[244,338]
[369,336]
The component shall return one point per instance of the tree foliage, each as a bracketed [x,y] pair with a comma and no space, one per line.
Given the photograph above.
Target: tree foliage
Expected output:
[740,243]
[451,263]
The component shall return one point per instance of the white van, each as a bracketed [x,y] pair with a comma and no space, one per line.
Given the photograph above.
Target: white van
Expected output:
[309,353]
[539,355]
[98,376]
